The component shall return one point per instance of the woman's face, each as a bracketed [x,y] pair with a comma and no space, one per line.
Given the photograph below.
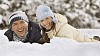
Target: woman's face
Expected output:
[47,23]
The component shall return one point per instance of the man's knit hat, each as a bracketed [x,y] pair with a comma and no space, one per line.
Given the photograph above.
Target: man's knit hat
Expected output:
[44,11]
[18,15]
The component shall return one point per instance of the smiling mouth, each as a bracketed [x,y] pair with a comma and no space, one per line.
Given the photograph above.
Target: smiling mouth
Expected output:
[20,30]
[47,25]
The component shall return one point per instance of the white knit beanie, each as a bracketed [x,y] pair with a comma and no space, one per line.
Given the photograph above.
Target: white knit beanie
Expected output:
[20,14]
[44,11]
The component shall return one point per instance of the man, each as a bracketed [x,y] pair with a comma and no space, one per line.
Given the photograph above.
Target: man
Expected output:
[56,25]
[21,29]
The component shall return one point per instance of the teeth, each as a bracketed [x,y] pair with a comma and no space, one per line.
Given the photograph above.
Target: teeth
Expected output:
[47,25]
[20,30]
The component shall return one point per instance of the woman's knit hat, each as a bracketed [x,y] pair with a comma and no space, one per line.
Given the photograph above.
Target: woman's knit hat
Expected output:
[44,11]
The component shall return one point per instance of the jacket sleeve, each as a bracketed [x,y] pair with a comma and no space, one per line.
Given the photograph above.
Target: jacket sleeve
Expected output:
[83,38]
[37,37]
[68,31]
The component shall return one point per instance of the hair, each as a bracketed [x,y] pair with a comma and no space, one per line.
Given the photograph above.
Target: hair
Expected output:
[45,38]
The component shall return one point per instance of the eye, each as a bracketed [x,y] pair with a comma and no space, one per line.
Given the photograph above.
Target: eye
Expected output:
[14,24]
[47,18]
[22,22]
[42,20]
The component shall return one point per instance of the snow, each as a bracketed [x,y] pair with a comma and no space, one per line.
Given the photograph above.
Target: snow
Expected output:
[4,6]
[57,47]
[90,32]
[0,19]
[29,1]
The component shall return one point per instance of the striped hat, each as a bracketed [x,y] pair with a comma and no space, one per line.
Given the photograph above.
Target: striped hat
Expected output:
[18,15]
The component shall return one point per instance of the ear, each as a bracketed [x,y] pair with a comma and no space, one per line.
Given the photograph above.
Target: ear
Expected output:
[12,29]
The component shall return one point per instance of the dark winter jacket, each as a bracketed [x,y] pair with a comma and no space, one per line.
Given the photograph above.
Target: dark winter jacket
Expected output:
[33,36]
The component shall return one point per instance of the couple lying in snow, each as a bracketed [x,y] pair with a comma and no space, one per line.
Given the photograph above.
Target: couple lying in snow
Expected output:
[50,24]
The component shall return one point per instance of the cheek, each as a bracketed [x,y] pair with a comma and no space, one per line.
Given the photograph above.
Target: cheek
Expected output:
[26,26]
[41,24]
[50,20]
[13,28]
[26,23]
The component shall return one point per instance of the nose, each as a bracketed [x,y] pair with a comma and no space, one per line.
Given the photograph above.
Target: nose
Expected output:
[19,26]
[45,22]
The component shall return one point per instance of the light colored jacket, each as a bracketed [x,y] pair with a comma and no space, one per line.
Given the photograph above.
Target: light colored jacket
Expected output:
[63,29]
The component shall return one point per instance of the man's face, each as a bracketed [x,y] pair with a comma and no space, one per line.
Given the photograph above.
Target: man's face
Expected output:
[20,27]
[47,23]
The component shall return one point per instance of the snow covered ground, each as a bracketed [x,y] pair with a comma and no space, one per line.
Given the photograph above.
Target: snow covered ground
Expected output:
[57,47]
